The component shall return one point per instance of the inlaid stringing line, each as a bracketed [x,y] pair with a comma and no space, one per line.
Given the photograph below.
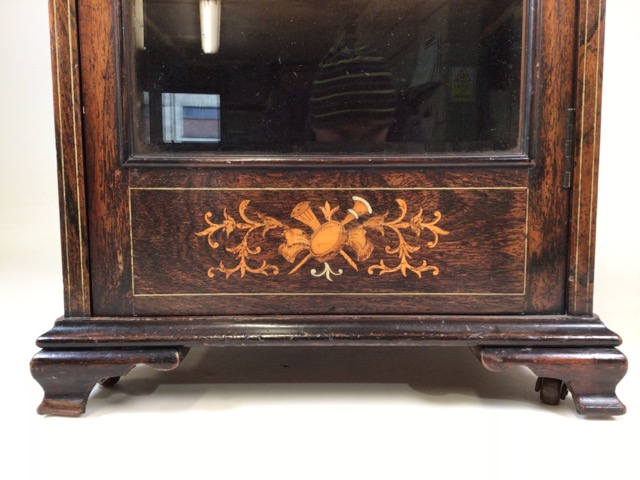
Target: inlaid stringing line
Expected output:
[526,243]
[324,189]
[62,157]
[133,277]
[277,189]
[75,150]
[593,159]
[579,197]
[331,294]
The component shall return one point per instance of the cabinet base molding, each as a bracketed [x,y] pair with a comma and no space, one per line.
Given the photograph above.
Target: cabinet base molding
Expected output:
[319,330]
[568,354]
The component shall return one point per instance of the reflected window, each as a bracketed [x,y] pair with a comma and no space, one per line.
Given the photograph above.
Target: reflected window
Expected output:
[408,76]
[189,117]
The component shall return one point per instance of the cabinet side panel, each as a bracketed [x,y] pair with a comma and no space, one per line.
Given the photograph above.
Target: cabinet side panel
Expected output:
[106,181]
[71,174]
[553,92]
[586,153]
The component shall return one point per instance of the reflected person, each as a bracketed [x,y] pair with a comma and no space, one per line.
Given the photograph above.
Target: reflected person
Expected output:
[353,97]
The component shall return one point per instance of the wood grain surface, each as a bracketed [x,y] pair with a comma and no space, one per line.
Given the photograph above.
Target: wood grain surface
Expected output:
[539,171]
[480,248]
[71,158]
[586,152]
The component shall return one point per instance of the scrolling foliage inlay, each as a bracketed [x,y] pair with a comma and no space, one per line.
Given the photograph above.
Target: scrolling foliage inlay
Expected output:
[348,238]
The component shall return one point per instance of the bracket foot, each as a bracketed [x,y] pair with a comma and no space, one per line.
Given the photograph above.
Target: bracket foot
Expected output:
[68,376]
[590,374]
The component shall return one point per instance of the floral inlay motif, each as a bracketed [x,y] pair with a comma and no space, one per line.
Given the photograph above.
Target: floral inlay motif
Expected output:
[347,238]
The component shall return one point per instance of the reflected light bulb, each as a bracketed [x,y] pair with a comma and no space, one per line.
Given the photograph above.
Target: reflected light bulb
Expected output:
[210,25]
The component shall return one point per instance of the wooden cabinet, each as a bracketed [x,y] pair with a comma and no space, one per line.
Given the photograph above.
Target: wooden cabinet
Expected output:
[420,172]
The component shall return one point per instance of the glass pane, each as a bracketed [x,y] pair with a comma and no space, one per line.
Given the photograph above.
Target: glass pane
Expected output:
[295,76]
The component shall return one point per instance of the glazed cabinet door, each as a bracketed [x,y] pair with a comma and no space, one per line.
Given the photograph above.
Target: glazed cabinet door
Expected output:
[335,157]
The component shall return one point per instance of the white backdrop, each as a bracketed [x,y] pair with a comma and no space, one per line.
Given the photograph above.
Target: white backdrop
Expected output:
[340,414]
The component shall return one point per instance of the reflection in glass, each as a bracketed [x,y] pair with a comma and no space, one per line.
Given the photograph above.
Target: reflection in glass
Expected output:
[190,117]
[408,76]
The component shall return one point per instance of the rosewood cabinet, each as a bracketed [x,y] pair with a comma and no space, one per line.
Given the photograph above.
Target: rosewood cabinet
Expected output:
[362,173]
